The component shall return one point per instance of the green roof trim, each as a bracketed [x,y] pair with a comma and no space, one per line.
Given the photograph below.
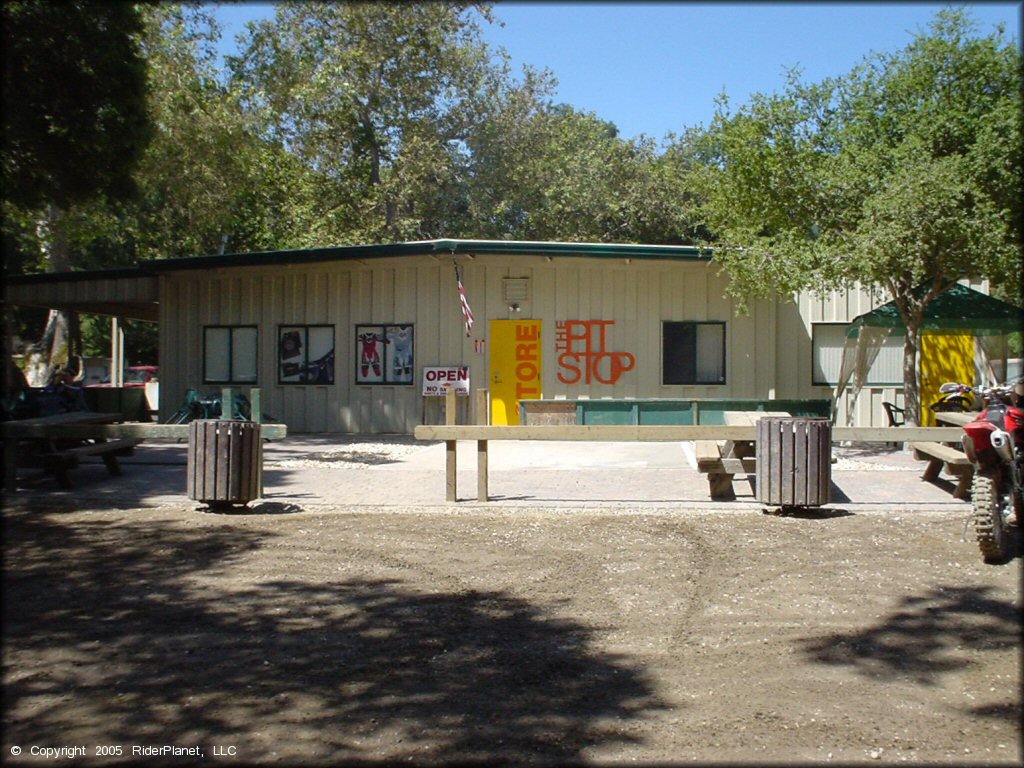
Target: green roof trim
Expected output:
[433,248]
[959,308]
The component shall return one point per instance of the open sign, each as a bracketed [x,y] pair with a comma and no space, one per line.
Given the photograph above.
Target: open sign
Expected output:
[438,379]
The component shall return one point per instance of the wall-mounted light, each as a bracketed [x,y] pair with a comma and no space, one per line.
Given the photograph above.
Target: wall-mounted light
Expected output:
[513,307]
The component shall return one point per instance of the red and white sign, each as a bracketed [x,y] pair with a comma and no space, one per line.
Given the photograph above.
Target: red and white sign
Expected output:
[438,379]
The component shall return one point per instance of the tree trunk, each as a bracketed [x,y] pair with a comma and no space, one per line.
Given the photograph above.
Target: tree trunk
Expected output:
[62,337]
[911,392]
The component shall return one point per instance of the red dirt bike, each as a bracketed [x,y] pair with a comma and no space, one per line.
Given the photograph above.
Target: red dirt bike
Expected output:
[994,443]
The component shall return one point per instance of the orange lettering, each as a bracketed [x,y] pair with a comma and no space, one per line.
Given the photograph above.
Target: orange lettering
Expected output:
[527,371]
[526,332]
[522,389]
[526,351]
[566,361]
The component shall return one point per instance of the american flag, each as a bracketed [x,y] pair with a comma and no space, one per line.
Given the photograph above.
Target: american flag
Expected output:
[467,313]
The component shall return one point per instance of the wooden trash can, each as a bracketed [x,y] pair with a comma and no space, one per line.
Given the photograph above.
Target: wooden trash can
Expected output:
[225,461]
[794,461]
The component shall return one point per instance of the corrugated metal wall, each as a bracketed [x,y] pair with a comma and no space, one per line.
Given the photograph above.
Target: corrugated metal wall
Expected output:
[768,351]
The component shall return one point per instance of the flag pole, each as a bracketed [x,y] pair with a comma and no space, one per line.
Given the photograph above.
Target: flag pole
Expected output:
[467,313]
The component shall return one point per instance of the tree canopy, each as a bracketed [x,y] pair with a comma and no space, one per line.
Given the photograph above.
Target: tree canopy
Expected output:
[372,99]
[905,171]
[379,122]
[74,117]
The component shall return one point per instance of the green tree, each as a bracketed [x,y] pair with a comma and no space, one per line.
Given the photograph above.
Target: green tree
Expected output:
[543,171]
[905,172]
[74,125]
[207,181]
[372,98]
[74,101]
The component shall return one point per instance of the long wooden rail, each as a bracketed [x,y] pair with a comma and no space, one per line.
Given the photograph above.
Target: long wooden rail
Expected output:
[482,434]
[139,430]
[14,431]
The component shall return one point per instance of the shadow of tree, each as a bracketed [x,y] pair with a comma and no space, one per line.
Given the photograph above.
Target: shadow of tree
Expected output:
[138,634]
[1008,712]
[921,638]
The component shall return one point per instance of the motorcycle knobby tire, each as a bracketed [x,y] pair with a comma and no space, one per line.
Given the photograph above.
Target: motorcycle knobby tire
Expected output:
[989,525]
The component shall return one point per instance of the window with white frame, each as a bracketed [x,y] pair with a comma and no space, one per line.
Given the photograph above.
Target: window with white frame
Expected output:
[693,353]
[230,354]
[827,343]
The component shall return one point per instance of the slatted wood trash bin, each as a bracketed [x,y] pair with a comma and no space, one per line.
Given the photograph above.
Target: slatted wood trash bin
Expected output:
[225,462]
[794,461]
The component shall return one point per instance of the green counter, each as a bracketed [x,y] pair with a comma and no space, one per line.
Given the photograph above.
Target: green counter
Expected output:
[648,411]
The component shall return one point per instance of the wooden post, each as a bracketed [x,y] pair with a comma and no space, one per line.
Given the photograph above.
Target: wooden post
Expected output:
[256,415]
[116,353]
[255,407]
[227,403]
[481,447]
[451,465]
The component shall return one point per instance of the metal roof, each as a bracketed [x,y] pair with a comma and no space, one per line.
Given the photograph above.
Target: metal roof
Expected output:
[959,308]
[434,248]
[89,291]
[132,293]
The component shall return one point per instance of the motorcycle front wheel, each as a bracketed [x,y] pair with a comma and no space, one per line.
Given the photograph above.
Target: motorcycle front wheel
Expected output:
[989,525]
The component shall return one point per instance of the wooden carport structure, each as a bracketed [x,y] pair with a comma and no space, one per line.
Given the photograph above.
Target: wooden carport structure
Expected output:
[130,293]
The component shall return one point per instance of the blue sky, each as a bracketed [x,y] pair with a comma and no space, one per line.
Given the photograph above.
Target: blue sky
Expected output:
[653,68]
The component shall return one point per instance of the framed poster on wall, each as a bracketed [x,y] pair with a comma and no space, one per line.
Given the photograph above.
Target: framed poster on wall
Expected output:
[384,354]
[305,354]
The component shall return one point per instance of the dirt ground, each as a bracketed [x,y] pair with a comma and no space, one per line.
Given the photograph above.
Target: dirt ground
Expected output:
[510,635]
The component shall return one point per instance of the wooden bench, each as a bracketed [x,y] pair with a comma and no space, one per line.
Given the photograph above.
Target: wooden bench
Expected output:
[955,462]
[60,461]
[720,469]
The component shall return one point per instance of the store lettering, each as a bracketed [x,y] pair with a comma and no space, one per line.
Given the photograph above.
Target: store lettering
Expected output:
[527,371]
[584,353]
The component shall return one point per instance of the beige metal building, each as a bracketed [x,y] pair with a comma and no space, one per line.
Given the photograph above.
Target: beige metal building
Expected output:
[347,339]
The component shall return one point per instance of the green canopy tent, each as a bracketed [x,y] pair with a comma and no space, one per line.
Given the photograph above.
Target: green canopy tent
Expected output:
[957,310]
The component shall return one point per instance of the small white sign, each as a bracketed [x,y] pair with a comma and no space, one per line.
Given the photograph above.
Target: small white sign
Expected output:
[438,379]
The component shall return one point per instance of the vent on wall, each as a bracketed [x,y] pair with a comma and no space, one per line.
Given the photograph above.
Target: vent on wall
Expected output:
[515,289]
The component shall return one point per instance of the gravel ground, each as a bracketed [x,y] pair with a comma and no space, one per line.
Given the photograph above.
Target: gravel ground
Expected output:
[352,454]
[508,635]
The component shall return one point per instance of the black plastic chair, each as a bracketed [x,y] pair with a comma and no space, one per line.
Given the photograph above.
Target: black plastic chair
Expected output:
[896,415]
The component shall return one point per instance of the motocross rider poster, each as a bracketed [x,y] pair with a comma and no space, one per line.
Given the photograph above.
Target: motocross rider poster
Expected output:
[384,354]
[305,354]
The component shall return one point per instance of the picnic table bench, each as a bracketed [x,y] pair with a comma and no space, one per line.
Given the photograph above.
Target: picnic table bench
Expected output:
[721,462]
[947,455]
[941,456]
[715,462]
[59,461]
[56,443]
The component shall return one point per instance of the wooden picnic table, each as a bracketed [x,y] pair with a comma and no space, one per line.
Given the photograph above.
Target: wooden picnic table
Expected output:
[740,449]
[721,461]
[55,444]
[955,418]
[948,455]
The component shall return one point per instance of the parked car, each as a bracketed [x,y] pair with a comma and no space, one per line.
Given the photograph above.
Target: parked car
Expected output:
[134,376]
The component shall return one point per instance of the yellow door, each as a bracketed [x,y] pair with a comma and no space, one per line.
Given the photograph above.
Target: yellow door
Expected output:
[944,357]
[515,367]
